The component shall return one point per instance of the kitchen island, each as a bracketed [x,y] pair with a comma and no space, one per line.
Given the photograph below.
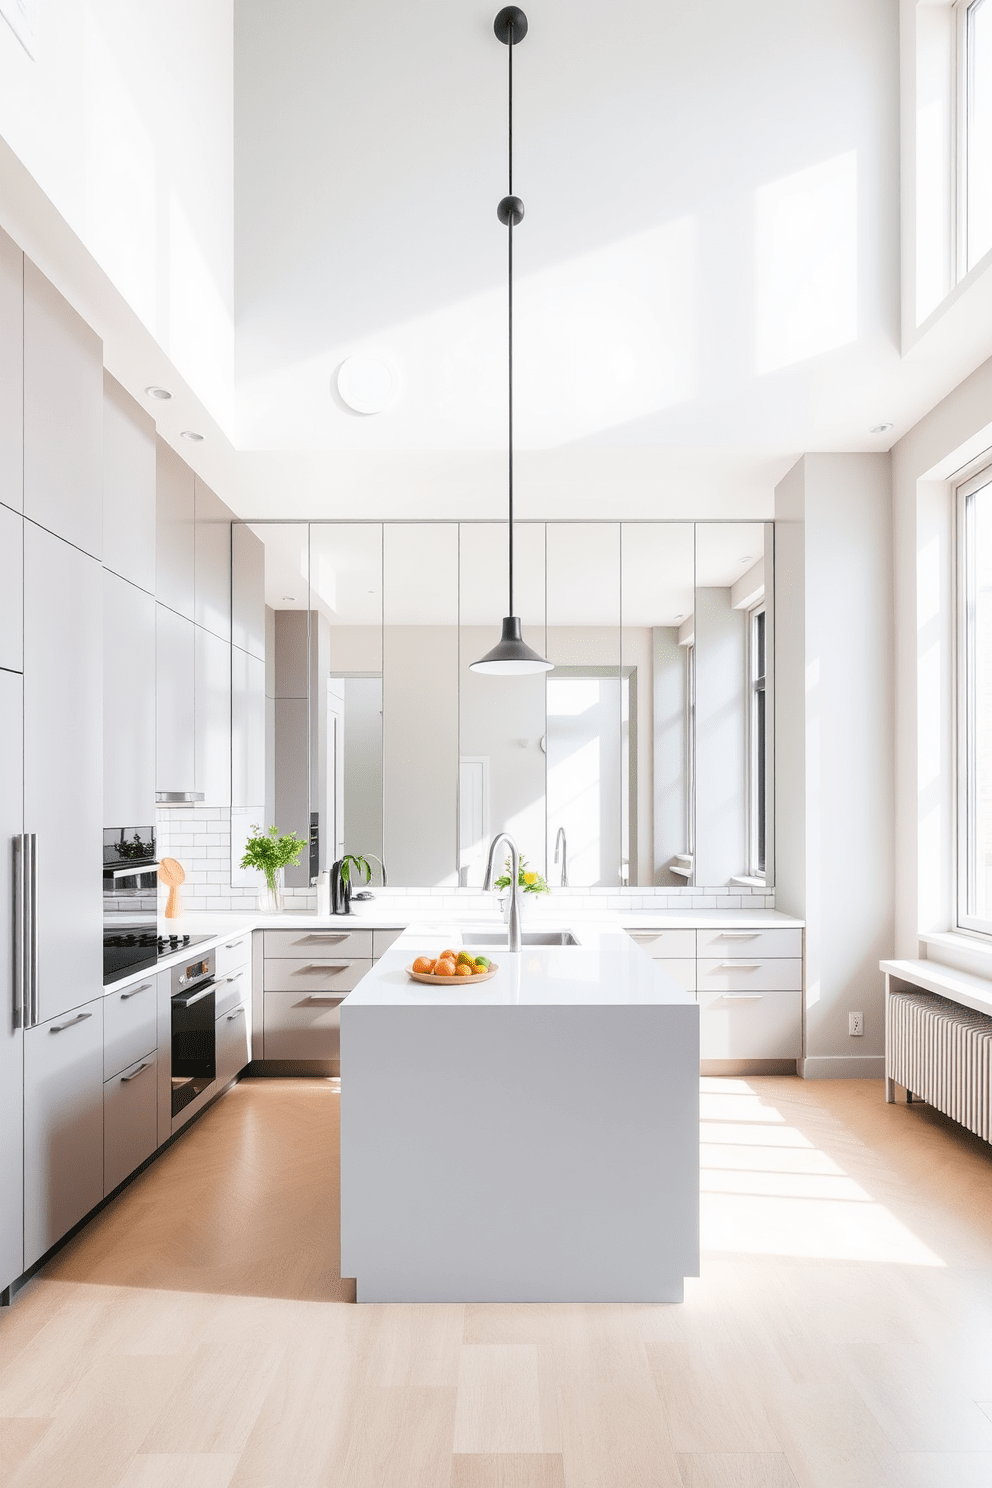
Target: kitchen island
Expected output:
[531,1138]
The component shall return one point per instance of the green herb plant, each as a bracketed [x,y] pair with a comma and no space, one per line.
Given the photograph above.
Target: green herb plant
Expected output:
[528,881]
[269,852]
[360,865]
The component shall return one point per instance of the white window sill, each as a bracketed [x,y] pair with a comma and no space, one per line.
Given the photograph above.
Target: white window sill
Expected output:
[972,953]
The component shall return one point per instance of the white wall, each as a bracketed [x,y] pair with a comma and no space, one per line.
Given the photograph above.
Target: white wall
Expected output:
[835,745]
[125,120]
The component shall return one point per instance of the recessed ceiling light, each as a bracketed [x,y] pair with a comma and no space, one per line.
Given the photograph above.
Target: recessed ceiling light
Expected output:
[192,436]
[880,429]
[290,597]
[747,558]
[158,392]
[680,617]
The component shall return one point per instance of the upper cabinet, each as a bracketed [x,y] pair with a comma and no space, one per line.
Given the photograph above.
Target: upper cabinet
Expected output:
[63,417]
[11,590]
[128,703]
[248,584]
[128,487]
[212,561]
[174,529]
[11,374]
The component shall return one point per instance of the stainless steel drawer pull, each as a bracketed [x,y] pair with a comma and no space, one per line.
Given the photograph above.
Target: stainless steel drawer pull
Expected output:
[738,934]
[740,966]
[335,937]
[233,946]
[135,990]
[79,1018]
[317,1001]
[326,966]
[742,996]
[135,1074]
[236,1014]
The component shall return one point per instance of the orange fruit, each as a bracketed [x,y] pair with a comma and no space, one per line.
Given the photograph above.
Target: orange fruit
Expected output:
[463,970]
[479,970]
[448,956]
[423,965]
[444,968]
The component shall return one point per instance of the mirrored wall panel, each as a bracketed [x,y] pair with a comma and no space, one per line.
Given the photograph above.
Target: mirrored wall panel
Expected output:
[644,758]
[586,703]
[732,651]
[502,721]
[657,575]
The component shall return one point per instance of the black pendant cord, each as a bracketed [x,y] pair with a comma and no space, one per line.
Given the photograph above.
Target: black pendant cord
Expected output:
[509,231]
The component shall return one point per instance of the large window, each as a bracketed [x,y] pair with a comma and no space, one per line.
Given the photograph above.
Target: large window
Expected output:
[975,704]
[953,145]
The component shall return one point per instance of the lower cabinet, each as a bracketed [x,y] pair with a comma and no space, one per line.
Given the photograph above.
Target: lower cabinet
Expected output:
[233,1043]
[130,1120]
[63,1125]
[302,1025]
[750,1025]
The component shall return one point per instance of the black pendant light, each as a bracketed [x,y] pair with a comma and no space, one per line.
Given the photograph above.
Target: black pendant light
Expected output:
[512,656]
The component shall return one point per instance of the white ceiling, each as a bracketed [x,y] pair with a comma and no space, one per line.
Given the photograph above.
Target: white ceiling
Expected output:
[708,265]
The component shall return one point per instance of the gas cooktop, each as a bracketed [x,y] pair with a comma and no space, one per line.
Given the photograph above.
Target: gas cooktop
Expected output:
[126,951]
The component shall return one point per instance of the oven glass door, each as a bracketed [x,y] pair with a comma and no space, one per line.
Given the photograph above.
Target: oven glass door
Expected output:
[194,1055]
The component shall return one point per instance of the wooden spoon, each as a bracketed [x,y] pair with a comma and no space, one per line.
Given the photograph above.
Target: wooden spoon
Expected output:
[172,874]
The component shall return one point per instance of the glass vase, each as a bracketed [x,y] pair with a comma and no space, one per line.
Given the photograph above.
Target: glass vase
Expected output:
[270,898]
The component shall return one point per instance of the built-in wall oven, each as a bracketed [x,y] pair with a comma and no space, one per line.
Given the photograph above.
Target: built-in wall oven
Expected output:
[194,1052]
[130,891]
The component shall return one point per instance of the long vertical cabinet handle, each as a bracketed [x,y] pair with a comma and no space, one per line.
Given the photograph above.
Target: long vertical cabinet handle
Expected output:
[34,1009]
[20,929]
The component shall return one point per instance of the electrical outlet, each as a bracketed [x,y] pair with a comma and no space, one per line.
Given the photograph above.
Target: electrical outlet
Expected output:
[856,1024]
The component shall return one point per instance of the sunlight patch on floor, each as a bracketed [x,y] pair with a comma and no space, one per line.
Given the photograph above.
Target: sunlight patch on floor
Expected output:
[767,1189]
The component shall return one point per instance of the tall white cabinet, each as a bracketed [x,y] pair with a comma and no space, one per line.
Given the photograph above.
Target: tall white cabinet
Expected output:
[11,1033]
[63,764]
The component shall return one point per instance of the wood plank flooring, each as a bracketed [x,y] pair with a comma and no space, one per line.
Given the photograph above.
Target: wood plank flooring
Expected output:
[197,1335]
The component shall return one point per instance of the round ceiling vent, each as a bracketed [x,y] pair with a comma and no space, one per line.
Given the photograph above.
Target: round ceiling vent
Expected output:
[368,384]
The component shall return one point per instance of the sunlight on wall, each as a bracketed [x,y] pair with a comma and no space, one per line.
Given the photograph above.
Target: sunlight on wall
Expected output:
[601,339]
[807,263]
[767,1189]
[120,186]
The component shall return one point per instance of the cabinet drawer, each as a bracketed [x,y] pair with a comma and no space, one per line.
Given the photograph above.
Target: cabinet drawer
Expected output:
[749,945]
[759,1025]
[232,989]
[383,939]
[231,954]
[682,971]
[316,974]
[663,945]
[306,1026]
[300,945]
[130,1120]
[740,975]
[63,1125]
[129,1025]
[233,1041]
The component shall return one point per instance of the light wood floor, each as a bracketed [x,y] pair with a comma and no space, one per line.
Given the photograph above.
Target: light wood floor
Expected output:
[196,1335]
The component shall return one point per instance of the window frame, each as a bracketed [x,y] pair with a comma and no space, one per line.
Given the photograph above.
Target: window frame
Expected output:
[964,700]
[757,846]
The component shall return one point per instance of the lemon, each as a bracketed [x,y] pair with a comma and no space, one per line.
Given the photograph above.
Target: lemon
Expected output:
[530,878]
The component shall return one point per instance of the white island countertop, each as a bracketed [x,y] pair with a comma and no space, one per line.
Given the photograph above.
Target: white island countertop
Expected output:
[606,969]
[533,1138]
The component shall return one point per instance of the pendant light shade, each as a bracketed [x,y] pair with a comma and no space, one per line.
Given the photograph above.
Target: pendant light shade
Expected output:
[512,656]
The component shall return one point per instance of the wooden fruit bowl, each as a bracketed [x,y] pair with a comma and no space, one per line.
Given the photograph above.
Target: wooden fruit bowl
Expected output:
[455,981]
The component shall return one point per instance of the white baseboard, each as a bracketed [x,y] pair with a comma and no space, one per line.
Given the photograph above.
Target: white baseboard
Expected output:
[845,1067]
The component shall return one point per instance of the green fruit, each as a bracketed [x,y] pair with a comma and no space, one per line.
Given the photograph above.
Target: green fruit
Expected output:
[483,961]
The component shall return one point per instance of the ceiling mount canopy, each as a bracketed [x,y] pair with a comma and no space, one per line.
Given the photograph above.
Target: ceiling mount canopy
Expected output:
[512,656]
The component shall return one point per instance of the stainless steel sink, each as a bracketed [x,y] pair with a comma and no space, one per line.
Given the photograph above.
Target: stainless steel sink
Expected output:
[527,938]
